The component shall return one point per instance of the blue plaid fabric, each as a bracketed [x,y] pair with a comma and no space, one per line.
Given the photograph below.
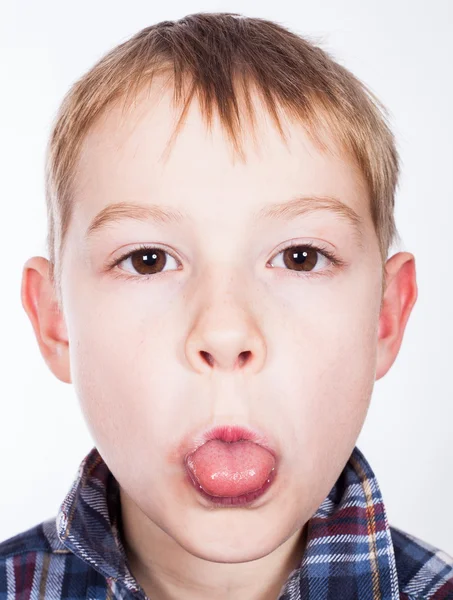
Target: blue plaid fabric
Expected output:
[352,553]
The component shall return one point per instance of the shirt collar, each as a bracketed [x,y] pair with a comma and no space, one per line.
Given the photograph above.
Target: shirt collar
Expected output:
[349,551]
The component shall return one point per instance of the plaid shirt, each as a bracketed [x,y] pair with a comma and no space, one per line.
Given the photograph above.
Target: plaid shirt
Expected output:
[352,553]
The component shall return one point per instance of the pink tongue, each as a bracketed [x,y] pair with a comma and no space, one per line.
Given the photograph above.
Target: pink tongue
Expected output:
[230,469]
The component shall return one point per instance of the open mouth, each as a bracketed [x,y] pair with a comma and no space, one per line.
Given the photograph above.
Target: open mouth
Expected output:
[231,466]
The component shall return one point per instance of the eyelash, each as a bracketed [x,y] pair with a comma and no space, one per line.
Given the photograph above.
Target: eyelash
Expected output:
[336,261]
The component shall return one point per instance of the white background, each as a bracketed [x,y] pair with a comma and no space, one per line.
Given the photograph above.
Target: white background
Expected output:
[404,51]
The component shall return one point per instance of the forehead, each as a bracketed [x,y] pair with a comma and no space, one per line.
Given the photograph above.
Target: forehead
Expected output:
[123,159]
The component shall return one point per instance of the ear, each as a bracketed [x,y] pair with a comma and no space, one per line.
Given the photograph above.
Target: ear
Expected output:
[399,297]
[40,303]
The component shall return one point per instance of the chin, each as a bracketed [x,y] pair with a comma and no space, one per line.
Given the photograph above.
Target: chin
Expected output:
[229,540]
[223,552]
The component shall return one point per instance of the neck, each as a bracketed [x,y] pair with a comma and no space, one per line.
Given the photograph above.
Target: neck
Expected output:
[166,571]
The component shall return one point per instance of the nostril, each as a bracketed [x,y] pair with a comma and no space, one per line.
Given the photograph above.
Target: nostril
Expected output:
[243,356]
[207,357]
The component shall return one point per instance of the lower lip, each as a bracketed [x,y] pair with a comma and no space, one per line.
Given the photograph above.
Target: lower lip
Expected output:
[243,500]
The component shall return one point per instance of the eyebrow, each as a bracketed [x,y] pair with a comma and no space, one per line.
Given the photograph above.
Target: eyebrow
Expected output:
[284,211]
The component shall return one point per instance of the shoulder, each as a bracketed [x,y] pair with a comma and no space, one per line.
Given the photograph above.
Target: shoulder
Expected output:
[41,538]
[35,564]
[424,571]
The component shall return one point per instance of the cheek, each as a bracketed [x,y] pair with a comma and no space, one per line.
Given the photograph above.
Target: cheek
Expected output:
[329,377]
[122,373]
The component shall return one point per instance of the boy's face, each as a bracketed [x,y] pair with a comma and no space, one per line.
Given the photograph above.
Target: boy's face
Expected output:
[138,344]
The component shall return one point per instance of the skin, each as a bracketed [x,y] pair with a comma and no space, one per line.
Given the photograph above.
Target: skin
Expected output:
[133,347]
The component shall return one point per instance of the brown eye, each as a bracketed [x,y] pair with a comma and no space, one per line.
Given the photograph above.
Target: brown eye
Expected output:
[303,258]
[300,258]
[147,261]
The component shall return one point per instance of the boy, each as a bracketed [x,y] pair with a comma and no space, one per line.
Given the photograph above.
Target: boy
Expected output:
[223,303]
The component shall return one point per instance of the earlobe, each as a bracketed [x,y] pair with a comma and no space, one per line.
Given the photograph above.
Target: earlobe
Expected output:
[399,298]
[40,303]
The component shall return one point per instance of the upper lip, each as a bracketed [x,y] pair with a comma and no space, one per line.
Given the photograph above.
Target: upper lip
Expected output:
[232,433]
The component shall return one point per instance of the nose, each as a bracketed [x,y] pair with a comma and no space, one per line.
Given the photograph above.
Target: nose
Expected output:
[225,337]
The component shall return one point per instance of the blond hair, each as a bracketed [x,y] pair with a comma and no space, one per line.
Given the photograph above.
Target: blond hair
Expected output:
[215,52]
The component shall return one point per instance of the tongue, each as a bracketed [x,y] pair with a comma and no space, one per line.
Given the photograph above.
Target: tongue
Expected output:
[230,468]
